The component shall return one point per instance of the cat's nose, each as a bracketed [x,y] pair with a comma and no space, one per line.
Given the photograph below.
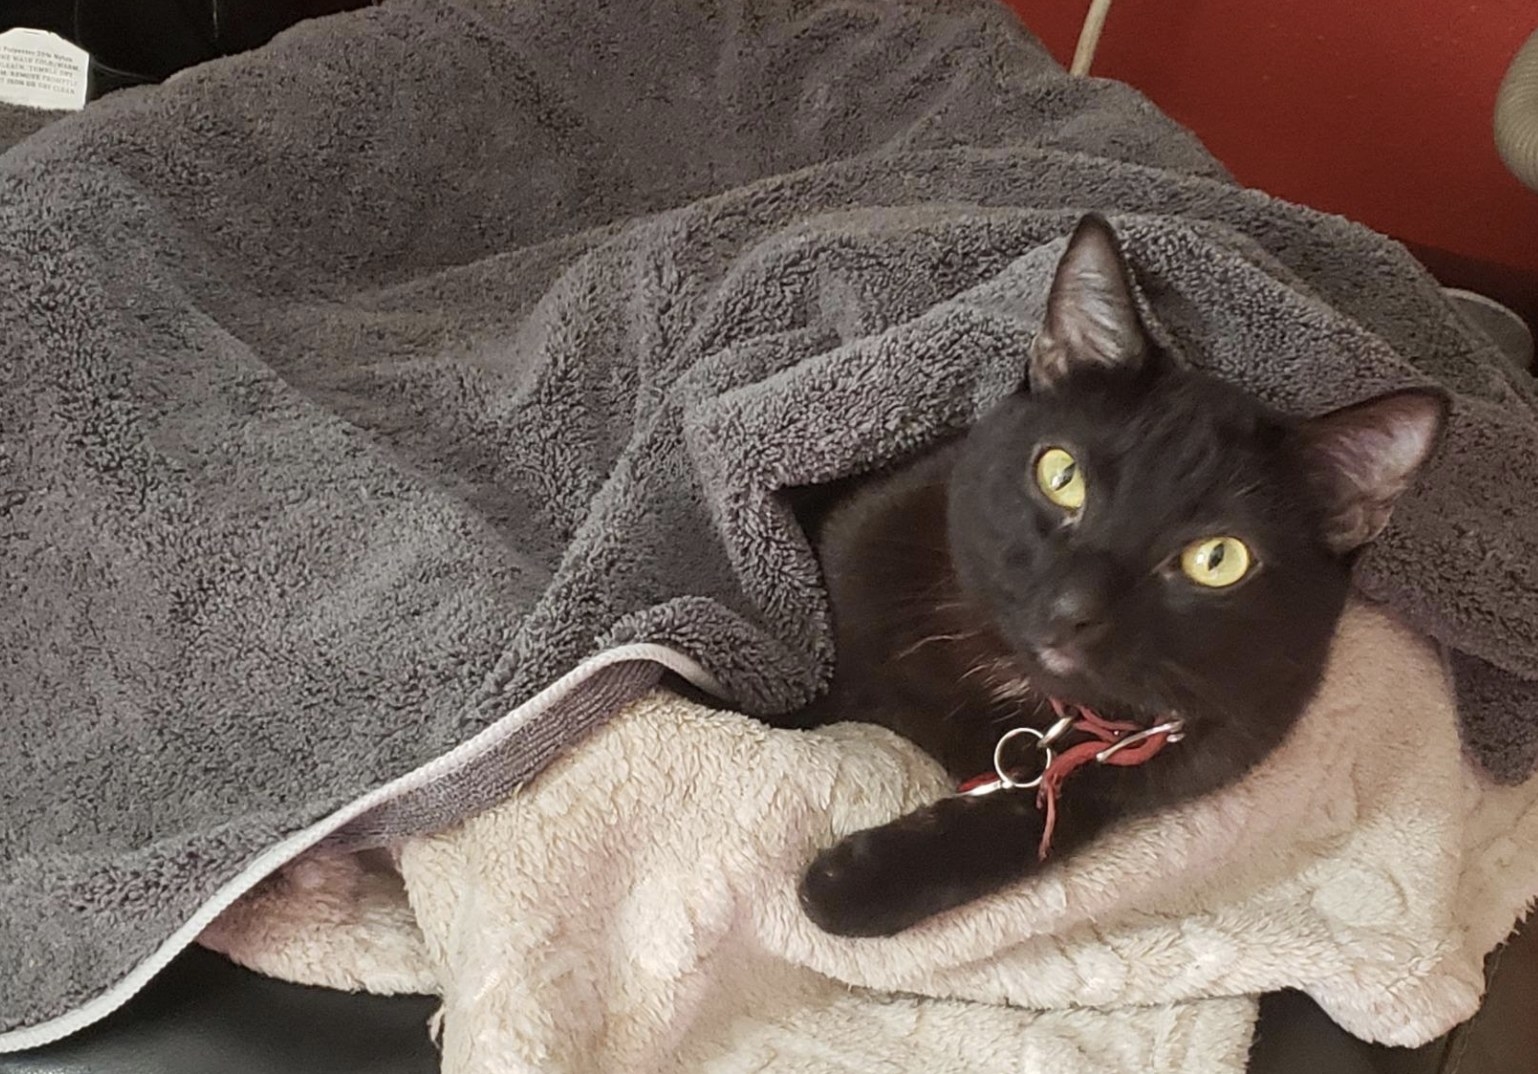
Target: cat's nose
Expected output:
[1077,615]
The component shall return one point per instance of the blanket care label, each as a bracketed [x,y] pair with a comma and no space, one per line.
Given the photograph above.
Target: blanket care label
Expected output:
[42,70]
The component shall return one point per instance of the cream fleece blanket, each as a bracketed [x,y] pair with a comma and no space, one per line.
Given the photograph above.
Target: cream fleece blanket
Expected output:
[633,909]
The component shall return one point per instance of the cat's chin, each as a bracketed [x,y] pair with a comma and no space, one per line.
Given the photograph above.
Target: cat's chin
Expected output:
[1081,688]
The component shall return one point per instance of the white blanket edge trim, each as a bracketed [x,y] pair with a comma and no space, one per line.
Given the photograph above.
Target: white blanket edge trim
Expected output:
[284,851]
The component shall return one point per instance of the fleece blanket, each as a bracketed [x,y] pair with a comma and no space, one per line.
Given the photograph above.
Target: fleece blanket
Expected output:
[17,122]
[653,926]
[383,386]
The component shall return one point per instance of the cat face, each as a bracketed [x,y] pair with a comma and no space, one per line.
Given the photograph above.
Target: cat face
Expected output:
[1152,541]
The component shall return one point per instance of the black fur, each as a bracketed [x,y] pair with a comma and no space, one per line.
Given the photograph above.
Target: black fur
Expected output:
[952,576]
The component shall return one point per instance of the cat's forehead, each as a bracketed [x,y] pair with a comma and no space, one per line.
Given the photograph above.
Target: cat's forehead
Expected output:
[1188,428]
[1177,447]
[1159,406]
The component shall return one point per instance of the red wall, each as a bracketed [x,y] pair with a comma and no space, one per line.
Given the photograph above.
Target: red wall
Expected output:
[1375,109]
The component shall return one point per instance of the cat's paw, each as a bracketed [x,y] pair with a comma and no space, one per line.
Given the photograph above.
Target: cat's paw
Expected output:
[868,885]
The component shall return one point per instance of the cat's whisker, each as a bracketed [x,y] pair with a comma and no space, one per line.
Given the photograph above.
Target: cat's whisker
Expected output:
[1014,690]
[928,598]
[972,671]
[1002,680]
[916,606]
[935,639]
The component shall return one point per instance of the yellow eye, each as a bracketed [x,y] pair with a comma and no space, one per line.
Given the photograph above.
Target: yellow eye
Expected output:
[1061,482]
[1216,562]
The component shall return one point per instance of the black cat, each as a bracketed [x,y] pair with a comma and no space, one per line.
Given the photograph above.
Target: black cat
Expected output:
[1125,535]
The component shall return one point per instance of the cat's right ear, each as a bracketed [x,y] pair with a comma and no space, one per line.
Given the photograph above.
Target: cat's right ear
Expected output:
[1091,319]
[1365,456]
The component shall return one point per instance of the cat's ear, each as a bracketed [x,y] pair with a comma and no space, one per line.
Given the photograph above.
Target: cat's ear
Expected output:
[1366,455]
[1091,319]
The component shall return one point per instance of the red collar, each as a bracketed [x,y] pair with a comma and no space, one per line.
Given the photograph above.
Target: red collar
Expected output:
[1115,742]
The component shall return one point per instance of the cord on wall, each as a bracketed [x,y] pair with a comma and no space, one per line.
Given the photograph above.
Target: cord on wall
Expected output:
[1089,37]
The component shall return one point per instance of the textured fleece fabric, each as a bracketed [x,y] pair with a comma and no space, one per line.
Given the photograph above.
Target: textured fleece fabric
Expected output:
[653,928]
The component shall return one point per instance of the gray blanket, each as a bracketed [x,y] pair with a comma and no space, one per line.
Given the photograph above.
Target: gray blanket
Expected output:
[358,389]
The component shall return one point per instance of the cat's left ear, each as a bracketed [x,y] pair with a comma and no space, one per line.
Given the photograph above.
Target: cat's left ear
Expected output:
[1367,455]
[1091,319]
